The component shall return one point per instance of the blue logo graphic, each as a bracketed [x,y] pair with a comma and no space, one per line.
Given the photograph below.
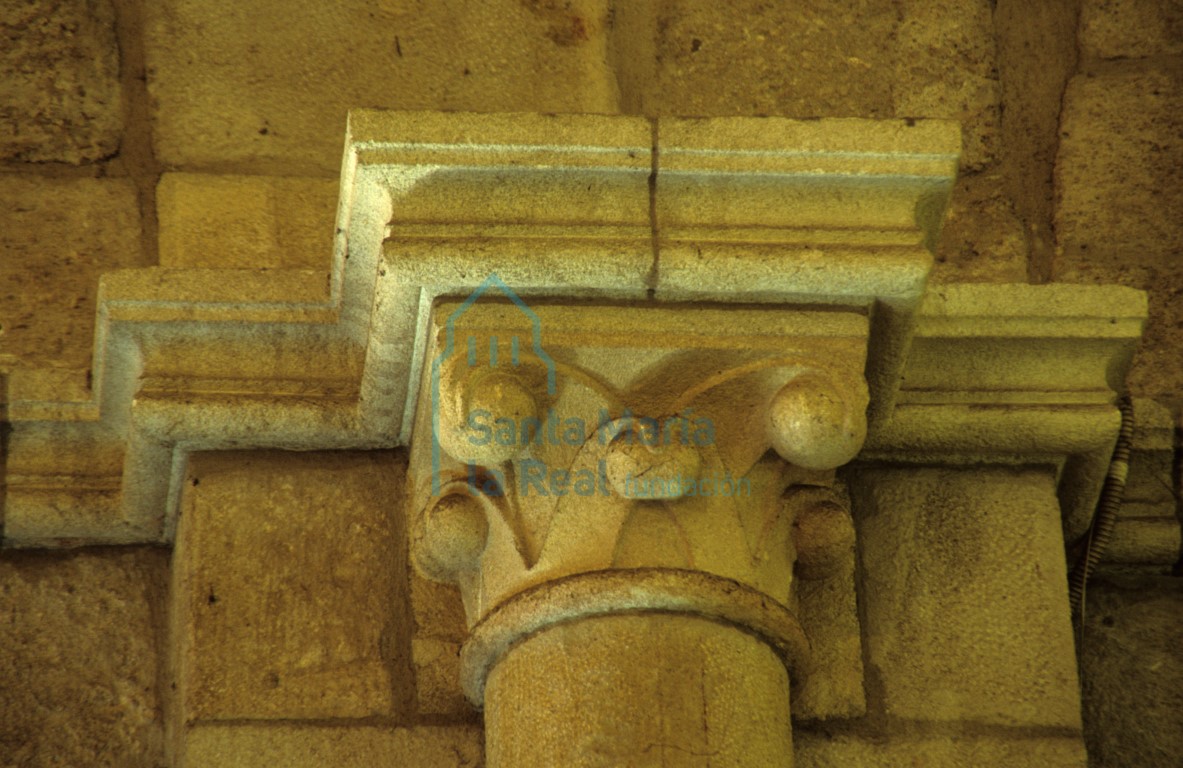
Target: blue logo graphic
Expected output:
[495,356]
[682,431]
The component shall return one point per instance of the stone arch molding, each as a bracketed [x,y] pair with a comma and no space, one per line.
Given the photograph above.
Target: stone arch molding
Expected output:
[834,217]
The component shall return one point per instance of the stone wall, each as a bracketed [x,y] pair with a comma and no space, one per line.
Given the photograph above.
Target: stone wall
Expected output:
[1119,205]
[83,639]
[198,133]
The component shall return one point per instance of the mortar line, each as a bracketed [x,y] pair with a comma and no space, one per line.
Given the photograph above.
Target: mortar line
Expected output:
[1041,264]
[136,151]
[655,266]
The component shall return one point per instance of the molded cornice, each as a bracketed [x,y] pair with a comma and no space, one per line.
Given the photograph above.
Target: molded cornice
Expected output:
[565,209]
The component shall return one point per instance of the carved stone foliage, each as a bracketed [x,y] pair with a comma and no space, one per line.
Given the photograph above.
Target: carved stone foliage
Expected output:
[623,437]
[555,441]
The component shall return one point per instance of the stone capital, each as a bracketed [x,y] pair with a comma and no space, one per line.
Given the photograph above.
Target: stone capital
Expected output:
[564,444]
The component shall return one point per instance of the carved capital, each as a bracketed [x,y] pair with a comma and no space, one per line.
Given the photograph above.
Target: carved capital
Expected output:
[557,442]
